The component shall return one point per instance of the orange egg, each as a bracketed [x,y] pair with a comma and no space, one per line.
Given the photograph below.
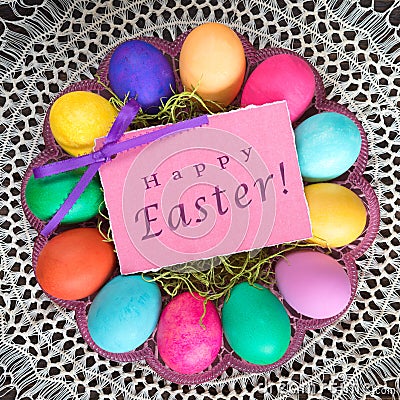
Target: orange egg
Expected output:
[212,59]
[75,264]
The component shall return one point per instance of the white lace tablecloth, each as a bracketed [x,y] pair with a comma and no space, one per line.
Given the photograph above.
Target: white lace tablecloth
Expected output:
[52,43]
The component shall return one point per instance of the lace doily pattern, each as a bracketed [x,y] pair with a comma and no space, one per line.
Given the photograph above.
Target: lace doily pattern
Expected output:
[49,45]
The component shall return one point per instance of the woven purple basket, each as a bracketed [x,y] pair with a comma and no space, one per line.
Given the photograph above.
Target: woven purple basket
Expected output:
[347,255]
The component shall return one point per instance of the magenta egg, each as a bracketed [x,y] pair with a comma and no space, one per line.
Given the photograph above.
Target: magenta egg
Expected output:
[312,283]
[187,343]
[281,77]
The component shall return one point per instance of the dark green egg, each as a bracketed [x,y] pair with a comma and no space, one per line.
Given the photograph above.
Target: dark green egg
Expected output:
[256,324]
[44,196]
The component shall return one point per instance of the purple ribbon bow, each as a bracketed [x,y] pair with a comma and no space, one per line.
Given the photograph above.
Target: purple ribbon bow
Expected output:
[110,147]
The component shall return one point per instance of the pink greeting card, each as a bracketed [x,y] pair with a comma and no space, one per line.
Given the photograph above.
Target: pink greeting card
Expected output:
[222,188]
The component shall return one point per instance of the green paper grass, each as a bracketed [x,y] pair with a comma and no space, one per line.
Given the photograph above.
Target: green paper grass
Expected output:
[214,279]
[104,219]
[179,107]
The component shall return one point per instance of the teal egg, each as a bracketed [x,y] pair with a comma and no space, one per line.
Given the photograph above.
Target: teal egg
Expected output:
[44,196]
[255,324]
[124,313]
[327,145]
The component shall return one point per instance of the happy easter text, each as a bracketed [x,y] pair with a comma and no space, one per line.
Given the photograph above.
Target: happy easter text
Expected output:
[178,215]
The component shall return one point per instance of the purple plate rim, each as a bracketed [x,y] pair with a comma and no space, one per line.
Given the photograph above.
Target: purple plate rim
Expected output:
[147,351]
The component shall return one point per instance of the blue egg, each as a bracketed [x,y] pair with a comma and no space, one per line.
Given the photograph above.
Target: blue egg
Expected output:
[140,69]
[327,146]
[124,313]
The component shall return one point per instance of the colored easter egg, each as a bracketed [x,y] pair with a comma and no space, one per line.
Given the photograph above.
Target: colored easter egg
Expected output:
[212,60]
[327,145]
[124,313]
[281,77]
[139,69]
[338,216]
[75,264]
[78,118]
[186,343]
[314,284]
[255,324]
[44,196]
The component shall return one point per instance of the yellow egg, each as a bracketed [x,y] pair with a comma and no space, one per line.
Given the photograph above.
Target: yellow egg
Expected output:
[78,118]
[338,216]
[212,59]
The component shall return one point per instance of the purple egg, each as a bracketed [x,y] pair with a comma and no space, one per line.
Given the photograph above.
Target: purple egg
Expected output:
[313,283]
[138,68]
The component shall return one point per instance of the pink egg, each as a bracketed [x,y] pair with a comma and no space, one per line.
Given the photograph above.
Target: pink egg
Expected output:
[281,77]
[314,284]
[183,343]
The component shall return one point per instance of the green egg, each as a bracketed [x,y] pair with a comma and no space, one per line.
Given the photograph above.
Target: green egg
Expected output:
[44,196]
[255,324]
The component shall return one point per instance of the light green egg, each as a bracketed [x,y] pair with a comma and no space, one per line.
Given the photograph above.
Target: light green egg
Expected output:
[44,196]
[256,324]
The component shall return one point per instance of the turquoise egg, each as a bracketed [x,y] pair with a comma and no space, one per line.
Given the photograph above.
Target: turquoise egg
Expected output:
[327,146]
[124,313]
[44,196]
[255,324]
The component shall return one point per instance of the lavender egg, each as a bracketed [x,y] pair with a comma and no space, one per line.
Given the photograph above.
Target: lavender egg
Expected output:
[313,283]
[139,69]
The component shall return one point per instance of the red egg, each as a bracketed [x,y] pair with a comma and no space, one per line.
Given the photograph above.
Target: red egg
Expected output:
[75,264]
